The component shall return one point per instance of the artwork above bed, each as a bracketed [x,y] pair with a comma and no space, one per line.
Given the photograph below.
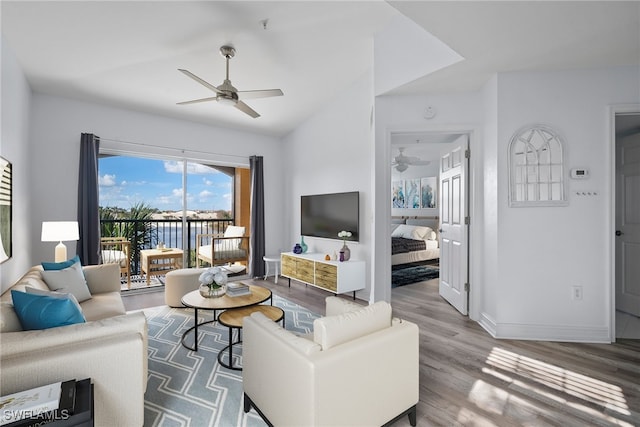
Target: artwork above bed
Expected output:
[414,193]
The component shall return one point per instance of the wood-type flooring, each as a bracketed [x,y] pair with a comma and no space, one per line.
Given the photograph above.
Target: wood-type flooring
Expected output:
[467,378]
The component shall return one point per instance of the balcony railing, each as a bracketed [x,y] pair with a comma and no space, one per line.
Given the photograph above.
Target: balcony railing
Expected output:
[146,234]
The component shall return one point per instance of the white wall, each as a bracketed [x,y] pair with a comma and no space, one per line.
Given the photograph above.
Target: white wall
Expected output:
[457,113]
[329,153]
[525,260]
[56,126]
[14,147]
[543,252]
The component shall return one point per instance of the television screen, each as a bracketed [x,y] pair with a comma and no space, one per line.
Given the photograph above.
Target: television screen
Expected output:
[325,215]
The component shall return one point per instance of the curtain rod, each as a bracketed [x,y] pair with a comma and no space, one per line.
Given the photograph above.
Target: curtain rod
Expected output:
[180,150]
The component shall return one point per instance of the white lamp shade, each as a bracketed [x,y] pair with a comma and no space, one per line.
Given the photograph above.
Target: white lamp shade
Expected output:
[59,231]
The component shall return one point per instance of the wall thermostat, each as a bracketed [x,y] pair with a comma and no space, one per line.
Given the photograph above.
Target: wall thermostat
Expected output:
[579,173]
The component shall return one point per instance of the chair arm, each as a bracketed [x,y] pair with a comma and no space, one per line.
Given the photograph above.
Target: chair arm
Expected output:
[276,370]
[112,352]
[370,380]
[102,278]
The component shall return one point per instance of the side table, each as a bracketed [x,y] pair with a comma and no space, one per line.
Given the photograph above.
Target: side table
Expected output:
[233,319]
[159,261]
[275,260]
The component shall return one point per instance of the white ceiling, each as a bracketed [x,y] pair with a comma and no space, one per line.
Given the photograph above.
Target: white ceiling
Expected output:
[127,54]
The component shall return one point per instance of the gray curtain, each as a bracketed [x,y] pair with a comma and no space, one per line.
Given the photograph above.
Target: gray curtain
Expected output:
[88,247]
[257,241]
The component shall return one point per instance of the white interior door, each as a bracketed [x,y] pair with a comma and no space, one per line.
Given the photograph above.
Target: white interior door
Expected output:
[454,230]
[628,225]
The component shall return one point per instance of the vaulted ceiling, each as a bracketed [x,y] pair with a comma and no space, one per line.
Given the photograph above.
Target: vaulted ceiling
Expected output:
[127,54]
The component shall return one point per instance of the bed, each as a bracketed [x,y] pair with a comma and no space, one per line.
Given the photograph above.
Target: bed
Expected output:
[414,240]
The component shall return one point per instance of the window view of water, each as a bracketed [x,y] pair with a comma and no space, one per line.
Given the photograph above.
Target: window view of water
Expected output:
[144,200]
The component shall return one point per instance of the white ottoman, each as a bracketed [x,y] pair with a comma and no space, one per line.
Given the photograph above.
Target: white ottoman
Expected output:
[180,282]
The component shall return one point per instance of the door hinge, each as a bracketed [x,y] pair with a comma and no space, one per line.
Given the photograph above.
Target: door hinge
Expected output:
[466,287]
[467,153]
[467,220]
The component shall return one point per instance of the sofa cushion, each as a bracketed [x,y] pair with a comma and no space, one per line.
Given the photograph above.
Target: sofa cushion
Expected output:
[61,265]
[9,321]
[53,294]
[69,280]
[331,331]
[103,306]
[44,312]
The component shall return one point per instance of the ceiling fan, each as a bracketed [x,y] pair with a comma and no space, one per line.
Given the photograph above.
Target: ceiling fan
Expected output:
[226,93]
[402,162]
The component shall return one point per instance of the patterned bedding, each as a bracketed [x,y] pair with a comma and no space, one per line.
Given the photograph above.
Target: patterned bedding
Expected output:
[400,245]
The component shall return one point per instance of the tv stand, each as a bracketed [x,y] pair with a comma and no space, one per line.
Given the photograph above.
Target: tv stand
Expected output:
[333,276]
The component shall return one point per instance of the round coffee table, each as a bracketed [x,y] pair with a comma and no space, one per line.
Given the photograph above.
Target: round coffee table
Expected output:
[234,317]
[196,301]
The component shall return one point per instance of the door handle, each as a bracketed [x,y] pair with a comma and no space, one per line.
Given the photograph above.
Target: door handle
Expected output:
[441,230]
[619,233]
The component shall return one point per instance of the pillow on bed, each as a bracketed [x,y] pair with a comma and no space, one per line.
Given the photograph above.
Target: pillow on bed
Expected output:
[414,232]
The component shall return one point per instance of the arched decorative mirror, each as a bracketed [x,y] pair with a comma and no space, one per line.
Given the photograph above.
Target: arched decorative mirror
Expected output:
[536,169]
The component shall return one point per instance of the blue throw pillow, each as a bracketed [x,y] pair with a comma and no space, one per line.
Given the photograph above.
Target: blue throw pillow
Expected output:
[44,312]
[60,265]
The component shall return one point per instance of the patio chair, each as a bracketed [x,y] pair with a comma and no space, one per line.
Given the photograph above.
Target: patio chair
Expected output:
[220,249]
[117,250]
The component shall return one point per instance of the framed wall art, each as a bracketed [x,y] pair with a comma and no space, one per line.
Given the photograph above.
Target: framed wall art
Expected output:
[6,200]
[428,190]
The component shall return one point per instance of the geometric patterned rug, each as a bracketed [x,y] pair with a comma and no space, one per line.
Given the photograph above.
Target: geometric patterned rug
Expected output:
[188,388]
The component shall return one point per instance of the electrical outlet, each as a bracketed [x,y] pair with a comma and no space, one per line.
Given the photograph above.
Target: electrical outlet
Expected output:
[576,293]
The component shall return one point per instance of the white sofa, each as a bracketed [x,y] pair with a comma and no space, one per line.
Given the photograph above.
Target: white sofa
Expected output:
[360,369]
[110,348]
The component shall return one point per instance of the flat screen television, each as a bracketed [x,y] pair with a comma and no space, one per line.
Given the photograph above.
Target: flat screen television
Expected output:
[325,215]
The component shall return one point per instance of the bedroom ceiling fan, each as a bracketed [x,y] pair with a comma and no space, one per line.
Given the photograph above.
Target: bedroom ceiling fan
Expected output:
[402,162]
[226,93]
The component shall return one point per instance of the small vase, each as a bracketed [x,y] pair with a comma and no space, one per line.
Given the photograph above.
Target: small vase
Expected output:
[304,245]
[297,249]
[341,256]
[347,252]
[209,292]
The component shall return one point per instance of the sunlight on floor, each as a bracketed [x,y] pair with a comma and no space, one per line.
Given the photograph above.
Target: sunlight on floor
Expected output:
[587,397]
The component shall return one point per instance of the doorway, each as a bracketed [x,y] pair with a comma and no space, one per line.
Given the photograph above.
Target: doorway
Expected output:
[428,150]
[626,292]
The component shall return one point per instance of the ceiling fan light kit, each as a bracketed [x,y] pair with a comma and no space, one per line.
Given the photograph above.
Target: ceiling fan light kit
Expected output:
[226,93]
[401,162]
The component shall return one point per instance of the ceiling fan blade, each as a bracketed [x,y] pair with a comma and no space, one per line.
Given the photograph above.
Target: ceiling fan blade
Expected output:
[199,80]
[195,101]
[246,109]
[250,94]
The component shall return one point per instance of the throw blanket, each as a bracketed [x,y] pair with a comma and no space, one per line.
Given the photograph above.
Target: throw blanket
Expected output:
[400,245]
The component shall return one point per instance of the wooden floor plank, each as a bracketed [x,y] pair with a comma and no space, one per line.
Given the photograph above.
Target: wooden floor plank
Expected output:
[468,378]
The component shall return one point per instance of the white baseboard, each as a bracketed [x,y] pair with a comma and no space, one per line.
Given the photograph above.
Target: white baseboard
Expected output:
[566,333]
[488,324]
[585,334]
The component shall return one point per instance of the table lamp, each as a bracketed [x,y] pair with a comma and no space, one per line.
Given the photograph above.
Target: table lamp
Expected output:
[59,231]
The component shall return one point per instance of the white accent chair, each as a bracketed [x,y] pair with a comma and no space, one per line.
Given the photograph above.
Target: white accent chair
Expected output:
[360,369]
[217,249]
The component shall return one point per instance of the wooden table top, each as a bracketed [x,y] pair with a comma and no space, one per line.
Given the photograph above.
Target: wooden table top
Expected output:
[169,252]
[233,318]
[258,294]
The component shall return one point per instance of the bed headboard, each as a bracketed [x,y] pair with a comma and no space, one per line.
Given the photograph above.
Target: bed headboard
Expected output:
[432,223]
